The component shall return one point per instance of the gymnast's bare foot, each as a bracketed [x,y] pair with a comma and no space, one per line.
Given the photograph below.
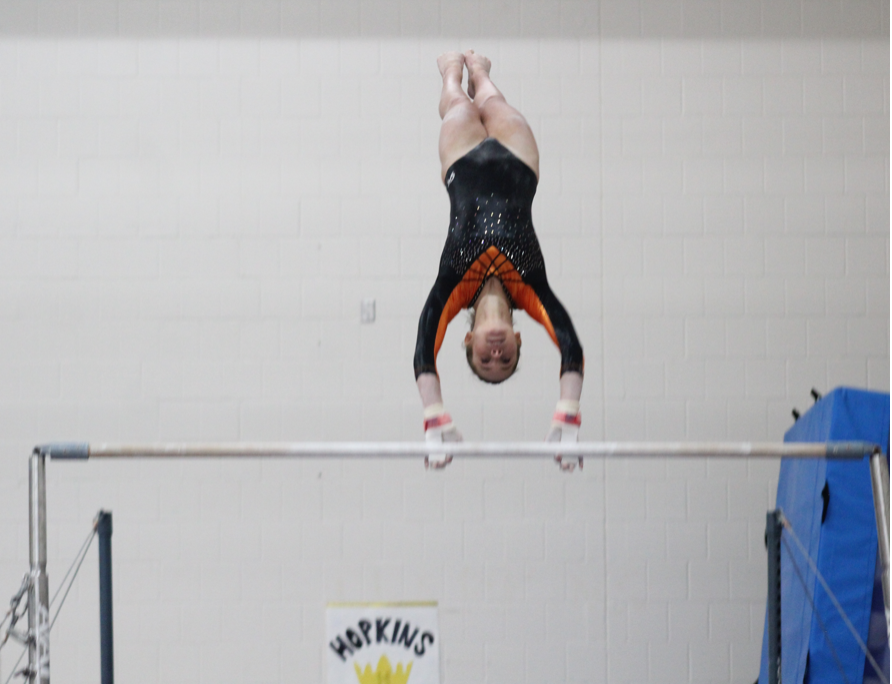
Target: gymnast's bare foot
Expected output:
[449,63]
[476,64]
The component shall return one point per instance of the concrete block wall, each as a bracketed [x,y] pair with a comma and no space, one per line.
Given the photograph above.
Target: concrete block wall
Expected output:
[196,196]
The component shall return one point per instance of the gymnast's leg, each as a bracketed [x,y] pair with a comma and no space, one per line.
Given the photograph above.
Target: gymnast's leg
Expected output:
[462,128]
[502,121]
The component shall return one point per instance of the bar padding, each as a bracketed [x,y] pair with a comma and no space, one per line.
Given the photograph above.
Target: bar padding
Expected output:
[65,450]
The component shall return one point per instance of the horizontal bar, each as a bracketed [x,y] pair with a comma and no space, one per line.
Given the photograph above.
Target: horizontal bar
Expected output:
[836,450]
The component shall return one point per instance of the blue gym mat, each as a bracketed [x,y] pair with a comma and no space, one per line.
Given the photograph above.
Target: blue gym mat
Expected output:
[830,506]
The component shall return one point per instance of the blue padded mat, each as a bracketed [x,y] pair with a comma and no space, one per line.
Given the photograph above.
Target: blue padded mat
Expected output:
[844,546]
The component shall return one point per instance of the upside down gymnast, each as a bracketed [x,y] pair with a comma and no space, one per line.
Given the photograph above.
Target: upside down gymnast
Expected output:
[491,263]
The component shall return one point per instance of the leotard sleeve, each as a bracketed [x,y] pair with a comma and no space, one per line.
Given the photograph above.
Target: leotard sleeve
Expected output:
[545,308]
[440,308]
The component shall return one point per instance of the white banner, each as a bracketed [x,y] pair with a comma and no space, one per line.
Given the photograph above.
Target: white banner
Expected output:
[383,643]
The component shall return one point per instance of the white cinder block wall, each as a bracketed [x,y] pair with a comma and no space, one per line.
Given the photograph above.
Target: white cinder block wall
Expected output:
[194,198]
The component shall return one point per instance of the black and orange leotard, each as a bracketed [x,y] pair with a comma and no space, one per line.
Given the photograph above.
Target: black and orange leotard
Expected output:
[491,235]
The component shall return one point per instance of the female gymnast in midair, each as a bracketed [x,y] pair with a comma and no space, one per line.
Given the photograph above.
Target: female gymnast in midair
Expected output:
[491,262]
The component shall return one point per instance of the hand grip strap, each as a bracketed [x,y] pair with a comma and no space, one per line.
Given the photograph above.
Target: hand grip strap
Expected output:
[437,421]
[567,418]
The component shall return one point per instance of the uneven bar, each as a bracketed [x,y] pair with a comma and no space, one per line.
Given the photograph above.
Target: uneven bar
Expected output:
[836,450]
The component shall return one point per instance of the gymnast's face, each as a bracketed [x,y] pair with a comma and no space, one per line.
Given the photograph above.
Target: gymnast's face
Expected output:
[494,349]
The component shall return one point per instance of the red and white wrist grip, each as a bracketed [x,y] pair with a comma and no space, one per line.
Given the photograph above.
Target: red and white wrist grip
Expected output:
[436,419]
[566,418]
[436,422]
[566,414]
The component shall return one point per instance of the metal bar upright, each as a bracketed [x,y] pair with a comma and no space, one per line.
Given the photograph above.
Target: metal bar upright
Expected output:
[773,531]
[879,479]
[38,591]
[106,631]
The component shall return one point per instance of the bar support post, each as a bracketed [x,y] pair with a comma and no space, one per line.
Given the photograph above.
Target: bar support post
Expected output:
[38,591]
[106,631]
[879,479]
[773,531]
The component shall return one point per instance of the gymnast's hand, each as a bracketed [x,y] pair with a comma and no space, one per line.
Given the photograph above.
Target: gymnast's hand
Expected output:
[565,429]
[439,428]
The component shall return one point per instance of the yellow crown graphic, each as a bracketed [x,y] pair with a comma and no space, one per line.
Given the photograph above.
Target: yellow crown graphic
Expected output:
[385,674]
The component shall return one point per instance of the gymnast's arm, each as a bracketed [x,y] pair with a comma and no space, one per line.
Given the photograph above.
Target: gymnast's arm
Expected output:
[571,386]
[425,361]
[429,389]
[438,425]
[572,359]
[566,420]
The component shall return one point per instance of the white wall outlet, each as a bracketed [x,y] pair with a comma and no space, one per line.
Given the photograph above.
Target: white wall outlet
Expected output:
[367,311]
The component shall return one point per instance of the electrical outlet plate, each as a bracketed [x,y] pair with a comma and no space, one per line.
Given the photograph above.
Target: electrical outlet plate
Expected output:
[367,311]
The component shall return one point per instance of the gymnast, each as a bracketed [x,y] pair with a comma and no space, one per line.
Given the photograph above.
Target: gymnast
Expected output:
[491,263]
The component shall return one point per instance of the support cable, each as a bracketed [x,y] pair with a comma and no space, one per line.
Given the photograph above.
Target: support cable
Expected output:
[20,672]
[836,604]
[14,614]
[76,566]
[80,552]
[814,608]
